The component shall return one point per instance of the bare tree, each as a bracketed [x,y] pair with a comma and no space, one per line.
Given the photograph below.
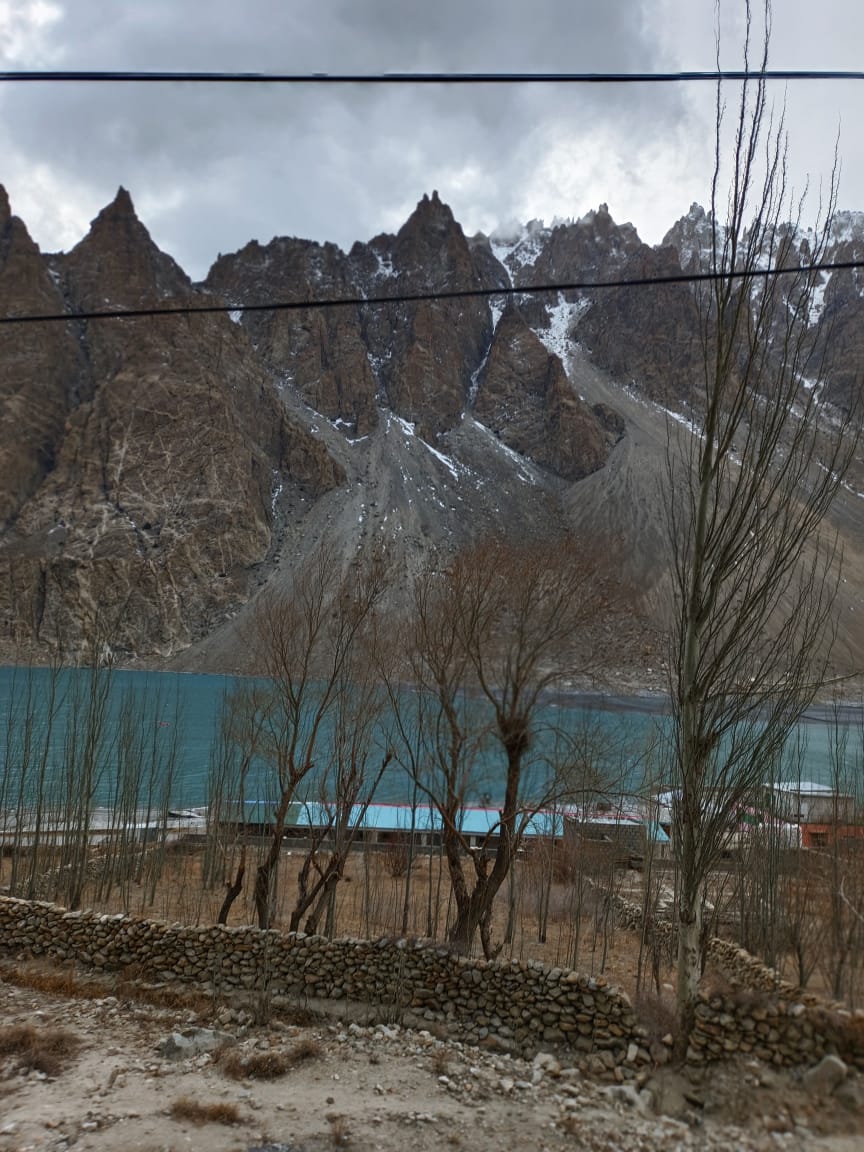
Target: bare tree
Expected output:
[488,638]
[237,743]
[754,576]
[346,788]
[308,642]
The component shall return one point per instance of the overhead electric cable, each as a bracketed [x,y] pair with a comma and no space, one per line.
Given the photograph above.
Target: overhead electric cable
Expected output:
[420,297]
[54,76]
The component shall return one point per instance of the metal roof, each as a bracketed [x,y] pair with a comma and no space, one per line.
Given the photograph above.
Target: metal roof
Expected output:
[476,820]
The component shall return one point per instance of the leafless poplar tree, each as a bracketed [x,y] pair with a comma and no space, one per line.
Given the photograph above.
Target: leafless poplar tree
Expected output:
[488,637]
[354,767]
[308,642]
[754,575]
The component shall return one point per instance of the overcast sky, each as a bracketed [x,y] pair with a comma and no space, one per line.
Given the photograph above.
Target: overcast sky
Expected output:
[212,168]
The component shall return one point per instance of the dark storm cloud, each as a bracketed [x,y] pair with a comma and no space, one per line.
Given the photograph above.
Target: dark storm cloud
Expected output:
[212,168]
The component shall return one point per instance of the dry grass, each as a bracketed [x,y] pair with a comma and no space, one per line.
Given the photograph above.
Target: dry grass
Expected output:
[68,982]
[268,1065]
[166,996]
[46,1050]
[340,1134]
[55,981]
[193,1112]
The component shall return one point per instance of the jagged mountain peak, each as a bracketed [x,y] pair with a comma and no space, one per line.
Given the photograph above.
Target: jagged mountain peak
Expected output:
[119,214]
[121,205]
[166,443]
[692,237]
[431,217]
[119,262]
[14,237]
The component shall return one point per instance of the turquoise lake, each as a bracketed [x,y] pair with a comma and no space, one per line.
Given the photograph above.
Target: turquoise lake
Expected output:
[182,711]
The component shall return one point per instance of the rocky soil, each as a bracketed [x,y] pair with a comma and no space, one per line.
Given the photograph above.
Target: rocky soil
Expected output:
[373,1087]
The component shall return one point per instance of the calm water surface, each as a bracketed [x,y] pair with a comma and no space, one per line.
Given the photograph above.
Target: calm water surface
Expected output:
[180,712]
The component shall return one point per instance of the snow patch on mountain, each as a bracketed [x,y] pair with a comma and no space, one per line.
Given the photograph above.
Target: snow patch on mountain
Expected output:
[523,470]
[409,431]
[847,227]
[562,317]
[518,245]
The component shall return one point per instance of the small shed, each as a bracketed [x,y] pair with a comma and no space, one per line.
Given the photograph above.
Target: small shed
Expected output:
[805,802]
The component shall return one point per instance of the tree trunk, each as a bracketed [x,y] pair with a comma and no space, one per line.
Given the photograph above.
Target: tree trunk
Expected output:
[233,889]
[689,969]
[468,916]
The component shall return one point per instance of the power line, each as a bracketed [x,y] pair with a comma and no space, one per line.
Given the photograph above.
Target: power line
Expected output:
[420,297]
[102,77]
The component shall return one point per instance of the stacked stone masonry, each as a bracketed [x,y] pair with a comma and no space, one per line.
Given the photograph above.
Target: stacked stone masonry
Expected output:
[523,1005]
[765,1016]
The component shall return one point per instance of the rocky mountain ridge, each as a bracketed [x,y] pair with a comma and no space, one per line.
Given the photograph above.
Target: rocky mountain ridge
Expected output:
[159,471]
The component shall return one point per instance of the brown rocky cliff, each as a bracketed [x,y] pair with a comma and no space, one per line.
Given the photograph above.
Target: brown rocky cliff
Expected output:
[525,397]
[647,336]
[840,336]
[427,352]
[591,248]
[418,358]
[159,500]
[40,367]
[319,353]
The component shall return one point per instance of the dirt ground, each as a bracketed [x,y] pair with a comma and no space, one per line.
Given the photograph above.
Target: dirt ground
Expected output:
[376,1087]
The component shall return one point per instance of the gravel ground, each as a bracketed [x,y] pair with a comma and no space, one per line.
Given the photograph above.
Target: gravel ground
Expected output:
[358,1087]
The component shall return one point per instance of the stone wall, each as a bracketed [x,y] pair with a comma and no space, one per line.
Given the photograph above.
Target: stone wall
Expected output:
[764,1015]
[521,1005]
[781,1032]
[738,965]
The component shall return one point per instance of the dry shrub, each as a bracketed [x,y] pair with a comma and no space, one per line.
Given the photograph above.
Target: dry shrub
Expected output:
[339,1132]
[42,1050]
[268,1065]
[220,1112]
[299,1017]
[655,1015]
[306,1049]
[397,856]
